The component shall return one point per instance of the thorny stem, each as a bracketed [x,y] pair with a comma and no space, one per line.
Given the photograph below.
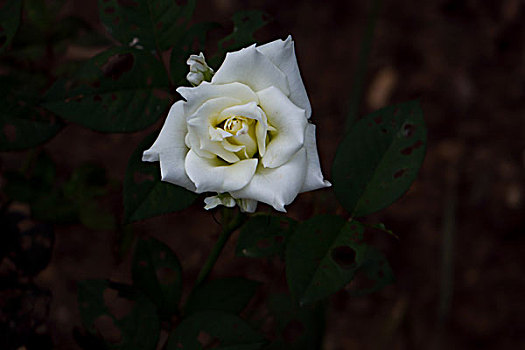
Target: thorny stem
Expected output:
[231,221]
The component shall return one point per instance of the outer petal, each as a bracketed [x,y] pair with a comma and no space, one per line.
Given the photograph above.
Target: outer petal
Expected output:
[279,186]
[196,96]
[170,148]
[290,124]
[214,175]
[252,68]
[282,54]
[314,177]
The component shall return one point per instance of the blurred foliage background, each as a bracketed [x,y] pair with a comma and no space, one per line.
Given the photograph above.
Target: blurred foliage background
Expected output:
[459,258]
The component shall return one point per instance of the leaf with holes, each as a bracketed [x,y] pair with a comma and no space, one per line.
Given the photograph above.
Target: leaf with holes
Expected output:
[152,24]
[226,294]
[23,124]
[379,158]
[192,42]
[216,329]
[157,272]
[298,328]
[325,253]
[9,21]
[245,24]
[264,235]
[120,90]
[123,316]
[145,195]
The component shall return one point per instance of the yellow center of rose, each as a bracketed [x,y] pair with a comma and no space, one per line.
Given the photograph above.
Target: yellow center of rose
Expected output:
[236,125]
[242,141]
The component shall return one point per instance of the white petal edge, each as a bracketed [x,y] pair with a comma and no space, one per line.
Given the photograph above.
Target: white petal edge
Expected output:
[278,186]
[290,124]
[196,96]
[214,175]
[314,177]
[282,54]
[170,148]
[251,67]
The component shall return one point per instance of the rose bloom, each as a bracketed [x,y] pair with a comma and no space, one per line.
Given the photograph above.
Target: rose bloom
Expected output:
[245,134]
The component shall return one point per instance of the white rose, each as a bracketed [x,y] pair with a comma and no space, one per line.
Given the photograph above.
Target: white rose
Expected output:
[245,135]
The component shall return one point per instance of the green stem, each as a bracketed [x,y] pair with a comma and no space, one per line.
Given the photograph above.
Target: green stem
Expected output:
[364,54]
[230,223]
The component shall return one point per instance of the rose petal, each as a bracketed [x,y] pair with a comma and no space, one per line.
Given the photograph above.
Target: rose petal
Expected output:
[314,177]
[251,110]
[252,68]
[201,141]
[282,54]
[278,186]
[214,175]
[170,148]
[290,124]
[247,205]
[197,95]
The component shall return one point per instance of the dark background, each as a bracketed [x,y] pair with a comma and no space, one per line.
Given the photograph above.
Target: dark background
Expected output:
[460,255]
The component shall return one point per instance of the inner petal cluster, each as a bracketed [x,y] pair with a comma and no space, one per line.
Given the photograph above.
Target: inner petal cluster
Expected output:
[234,132]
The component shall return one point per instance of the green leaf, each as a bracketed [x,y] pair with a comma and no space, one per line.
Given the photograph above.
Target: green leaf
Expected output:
[9,22]
[324,255]
[120,90]
[23,124]
[202,329]
[124,317]
[379,158]
[245,24]
[298,328]
[191,43]
[157,272]
[264,235]
[227,294]
[157,24]
[145,195]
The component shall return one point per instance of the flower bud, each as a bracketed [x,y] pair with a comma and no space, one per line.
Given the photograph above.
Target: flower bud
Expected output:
[199,70]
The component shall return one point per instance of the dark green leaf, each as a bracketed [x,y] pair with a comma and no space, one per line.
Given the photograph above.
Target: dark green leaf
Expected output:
[325,253]
[22,123]
[157,272]
[298,328]
[227,294]
[120,90]
[9,22]
[264,235]
[191,43]
[379,158]
[125,318]
[145,195]
[156,24]
[245,24]
[205,328]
